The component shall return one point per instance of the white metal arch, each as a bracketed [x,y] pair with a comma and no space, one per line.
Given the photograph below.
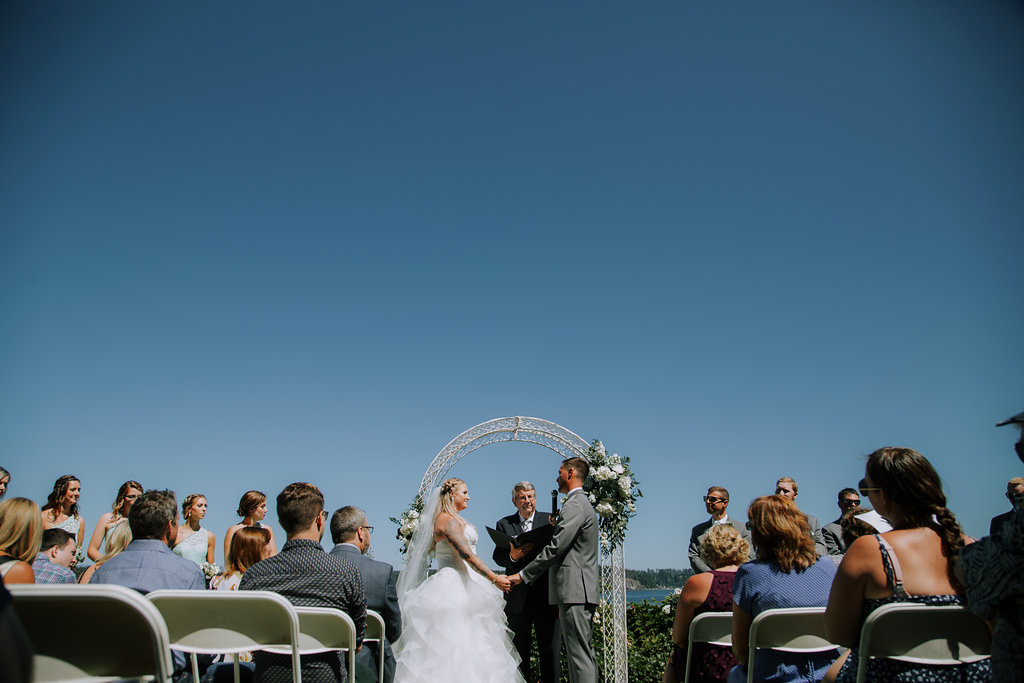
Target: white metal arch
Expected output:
[568,445]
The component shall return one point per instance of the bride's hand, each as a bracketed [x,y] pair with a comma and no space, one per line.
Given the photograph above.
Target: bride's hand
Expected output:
[502,582]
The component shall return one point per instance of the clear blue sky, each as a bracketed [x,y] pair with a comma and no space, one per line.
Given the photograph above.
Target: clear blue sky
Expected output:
[250,243]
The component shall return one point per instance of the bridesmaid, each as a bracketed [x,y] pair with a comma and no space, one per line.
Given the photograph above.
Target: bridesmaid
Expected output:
[253,509]
[61,509]
[126,497]
[193,541]
[5,479]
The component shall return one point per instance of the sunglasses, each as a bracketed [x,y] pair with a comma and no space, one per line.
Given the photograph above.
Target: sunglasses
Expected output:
[847,502]
[863,487]
[714,499]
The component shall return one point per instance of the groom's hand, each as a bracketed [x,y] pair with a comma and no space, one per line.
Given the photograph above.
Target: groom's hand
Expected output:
[515,579]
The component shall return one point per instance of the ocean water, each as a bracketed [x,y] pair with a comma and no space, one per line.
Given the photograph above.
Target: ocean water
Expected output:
[640,596]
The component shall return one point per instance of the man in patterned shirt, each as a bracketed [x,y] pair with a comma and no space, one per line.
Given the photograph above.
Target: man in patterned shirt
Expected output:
[307,576]
[54,558]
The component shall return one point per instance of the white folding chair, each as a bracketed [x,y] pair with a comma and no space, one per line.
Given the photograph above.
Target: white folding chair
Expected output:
[789,629]
[375,633]
[947,635]
[325,629]
[709,627]
[121,634]
[229,622]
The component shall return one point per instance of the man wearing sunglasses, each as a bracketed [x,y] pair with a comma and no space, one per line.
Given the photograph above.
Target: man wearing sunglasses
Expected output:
[833,532]
[716,503]
[788,488]
[1015,494]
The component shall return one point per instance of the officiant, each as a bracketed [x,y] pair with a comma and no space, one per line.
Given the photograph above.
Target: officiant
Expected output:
[527,605]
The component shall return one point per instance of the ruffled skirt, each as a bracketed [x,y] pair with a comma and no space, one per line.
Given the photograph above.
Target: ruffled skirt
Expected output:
[454,629]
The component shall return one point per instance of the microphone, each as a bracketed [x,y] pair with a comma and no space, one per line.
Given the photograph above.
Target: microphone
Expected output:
[554,502]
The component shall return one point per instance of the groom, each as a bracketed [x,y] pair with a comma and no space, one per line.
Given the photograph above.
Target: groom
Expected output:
[571,557]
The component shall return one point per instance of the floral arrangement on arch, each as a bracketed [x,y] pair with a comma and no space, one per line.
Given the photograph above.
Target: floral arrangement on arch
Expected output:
[613,491]
[408,523]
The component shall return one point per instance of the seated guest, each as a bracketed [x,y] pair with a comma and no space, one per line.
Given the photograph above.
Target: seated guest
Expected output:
[253,509]
[912,563]
[994,582]
[833,531]
[307,576]
[250,544]
[853,527]
[118,538]
[351,534]
[716,502]
[126,497]
[724,550]
[55,556]
[21,533]
[787,573]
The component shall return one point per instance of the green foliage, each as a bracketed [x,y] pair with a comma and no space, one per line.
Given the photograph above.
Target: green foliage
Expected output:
[659,578]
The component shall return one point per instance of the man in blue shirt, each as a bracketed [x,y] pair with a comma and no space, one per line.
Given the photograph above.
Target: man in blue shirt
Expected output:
[148,564]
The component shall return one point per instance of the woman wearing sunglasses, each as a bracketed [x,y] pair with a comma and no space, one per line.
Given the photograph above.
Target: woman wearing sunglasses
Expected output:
[912,563]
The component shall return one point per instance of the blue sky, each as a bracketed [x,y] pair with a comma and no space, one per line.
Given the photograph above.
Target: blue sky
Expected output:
[245,244]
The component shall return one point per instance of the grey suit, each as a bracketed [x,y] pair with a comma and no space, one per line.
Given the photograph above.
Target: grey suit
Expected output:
[819,540]
[697,537]
[832,533]
[571,562]
[381,596]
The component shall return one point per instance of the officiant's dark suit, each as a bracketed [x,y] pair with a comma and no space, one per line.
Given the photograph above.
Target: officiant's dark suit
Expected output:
[527,605]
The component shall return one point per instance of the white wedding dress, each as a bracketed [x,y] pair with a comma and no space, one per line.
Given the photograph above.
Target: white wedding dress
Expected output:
[454,626]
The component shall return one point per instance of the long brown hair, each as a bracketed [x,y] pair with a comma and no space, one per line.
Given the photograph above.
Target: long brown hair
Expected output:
[60,488]
[121,493]
[247,546]
[780,533]
[911,483]
[249,502]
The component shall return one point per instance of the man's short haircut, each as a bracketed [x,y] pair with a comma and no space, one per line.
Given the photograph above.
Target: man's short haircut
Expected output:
[846,492]
[55,538]
[151,514]
[796,489]
[721,489]
[578,465]
[345,522]
[522,486]
[1014,483]
[298,505]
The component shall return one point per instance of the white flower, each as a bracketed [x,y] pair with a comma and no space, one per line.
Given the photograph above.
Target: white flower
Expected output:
[592,497]
[626,483]
[667,609]
[614,458]
[604,509]
[599,449]
[414,514]
[678,591]
[618,469]
[603,474]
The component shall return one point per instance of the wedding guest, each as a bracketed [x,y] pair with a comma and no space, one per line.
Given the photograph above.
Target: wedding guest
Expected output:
[126,497]
[52,563]
[1014,494]
[15,646]
[307,576]
[788,488]
[252,508]
[994,583]
[118,538]
[193,541]
[724,550]
[853,527]
[21,534]
[912,563]
[350,531]
[61,509]
[251,544]
[787,573]
[716,502]
[5,479]
[833,531]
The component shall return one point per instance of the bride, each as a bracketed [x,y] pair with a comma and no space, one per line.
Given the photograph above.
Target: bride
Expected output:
[453,623]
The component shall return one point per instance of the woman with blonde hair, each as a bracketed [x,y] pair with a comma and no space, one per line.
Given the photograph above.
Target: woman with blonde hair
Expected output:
[21,535]
[193,542]
[724,550]
[251,544]
[252,508]
[786,573]
[912,563]
[126,497]
[453,623]
[5,479]
[118,538]
[61,509]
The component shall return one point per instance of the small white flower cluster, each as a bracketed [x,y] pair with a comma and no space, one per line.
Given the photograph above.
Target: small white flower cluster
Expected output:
[209,570]
[408,522]
[612,491]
